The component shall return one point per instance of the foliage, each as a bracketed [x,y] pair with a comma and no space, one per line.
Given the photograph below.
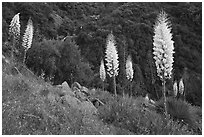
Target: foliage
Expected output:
[131,23]
[180,110]
[32,106]
[130,113]
[59,59]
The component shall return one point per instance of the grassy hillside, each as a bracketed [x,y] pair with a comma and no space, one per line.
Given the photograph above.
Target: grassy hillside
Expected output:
[32,106]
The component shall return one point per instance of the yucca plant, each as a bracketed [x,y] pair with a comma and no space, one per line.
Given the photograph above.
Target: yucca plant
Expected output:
[179,110]
[14,31]
[102,72]
[112,59]
[27,37]
[163,50]
[175,89]
[181,88]
[129,71]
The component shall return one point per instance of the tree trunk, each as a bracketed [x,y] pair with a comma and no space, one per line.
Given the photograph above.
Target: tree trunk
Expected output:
[114,85]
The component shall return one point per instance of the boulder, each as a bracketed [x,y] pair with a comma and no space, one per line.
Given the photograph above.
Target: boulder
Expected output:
[88,108]
[71,101]
[85,90]
[76,85]
[65,89]
[81,96]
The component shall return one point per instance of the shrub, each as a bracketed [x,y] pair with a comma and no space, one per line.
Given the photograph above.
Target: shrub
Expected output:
[181,111]
[130,114]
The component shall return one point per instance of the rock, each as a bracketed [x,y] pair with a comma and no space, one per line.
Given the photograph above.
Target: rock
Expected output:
[66,90]
[71,101]
[92,91]
[76,85]
[96,102]
[65,85]
[88,108]
[85,90]
[81,96]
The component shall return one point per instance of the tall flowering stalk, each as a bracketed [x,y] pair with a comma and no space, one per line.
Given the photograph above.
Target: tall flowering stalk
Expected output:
[129,71]
[14,31]
[27,37]
[181,88]
[175,88]
[102,72]
[163,50]
[112,59]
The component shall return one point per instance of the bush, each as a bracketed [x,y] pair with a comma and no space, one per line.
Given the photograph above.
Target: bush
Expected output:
[130,114]
[181,111]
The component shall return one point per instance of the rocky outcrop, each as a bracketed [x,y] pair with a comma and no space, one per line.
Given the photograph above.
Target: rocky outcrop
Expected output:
[78,97]
[64,89]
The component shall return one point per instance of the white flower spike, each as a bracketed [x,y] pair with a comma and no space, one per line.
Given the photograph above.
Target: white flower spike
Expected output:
[181,87]
[14,29]
[111,57]
[129,69]
[28,35]
[102,71]
[175,88]
[163,46]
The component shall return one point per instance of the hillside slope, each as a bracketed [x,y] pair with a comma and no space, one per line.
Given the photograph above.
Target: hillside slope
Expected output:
[32,106]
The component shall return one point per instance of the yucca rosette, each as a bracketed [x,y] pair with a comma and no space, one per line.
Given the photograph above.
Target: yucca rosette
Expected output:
[14,27]
[111,57]
[129,68]
[28,35]
[163,46]
[102,71]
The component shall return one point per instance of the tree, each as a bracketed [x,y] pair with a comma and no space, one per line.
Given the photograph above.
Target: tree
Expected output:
[112,59]
[163,50]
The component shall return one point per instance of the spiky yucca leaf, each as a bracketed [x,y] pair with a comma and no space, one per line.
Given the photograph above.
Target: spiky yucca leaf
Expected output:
[179,110]
[28,35]
[129,68]
[102,71]
[14,29]
[111,56]
[163,46]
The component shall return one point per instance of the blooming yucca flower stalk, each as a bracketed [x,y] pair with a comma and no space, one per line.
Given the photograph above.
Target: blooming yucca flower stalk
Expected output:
[27,37]
[102,72]
[112,59]
[14,31]
[175,88]
[181,88]
[163,50]
[129,71]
